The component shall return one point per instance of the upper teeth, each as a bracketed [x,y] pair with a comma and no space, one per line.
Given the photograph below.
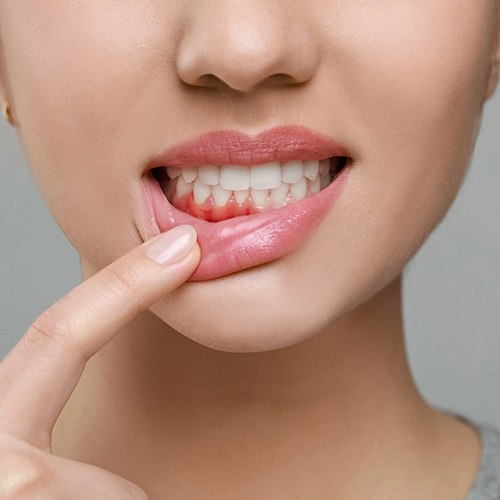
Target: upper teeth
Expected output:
[266,176]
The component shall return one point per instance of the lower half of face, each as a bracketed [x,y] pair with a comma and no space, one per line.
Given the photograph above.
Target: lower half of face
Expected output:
[400,85]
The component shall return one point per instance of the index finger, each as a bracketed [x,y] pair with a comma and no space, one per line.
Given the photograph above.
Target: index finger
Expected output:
[39,374]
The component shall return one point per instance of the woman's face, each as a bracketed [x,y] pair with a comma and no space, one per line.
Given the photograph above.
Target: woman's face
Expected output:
[99,87]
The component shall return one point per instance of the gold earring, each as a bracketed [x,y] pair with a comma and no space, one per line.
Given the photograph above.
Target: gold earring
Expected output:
[7,112]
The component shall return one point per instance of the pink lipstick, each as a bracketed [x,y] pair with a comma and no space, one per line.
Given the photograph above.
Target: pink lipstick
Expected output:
[234,244]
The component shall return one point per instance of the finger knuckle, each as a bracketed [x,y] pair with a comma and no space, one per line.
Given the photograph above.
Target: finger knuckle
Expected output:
[122,279]
[50,330]
[22,474]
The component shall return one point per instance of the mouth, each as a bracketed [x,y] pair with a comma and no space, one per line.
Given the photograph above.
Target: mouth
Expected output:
[251,200]
[214,193]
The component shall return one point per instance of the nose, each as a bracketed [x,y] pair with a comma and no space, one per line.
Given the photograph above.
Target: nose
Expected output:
[242,44]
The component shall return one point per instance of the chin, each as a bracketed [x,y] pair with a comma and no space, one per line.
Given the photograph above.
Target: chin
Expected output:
[251,311]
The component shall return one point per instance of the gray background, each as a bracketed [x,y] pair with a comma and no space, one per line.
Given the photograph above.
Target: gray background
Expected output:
[451,287]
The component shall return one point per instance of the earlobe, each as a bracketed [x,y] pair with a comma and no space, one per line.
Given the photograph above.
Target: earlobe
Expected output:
[7,112]
[6,106]
[4,99]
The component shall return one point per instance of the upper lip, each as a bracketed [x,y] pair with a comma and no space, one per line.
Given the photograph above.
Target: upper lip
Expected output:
[283,143]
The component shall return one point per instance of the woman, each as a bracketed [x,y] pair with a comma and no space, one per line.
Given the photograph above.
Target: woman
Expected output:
[294,156]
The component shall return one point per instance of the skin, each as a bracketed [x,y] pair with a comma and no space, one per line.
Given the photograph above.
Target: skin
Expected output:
[288,379]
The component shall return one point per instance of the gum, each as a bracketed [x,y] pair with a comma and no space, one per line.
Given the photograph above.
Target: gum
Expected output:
[210,212]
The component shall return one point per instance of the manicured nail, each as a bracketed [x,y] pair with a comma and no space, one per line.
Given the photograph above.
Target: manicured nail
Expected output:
[173,245]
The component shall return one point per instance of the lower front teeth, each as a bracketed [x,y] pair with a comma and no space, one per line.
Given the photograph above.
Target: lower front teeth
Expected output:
[280,193]
[259,196]
[299,189]
[220,195]
[201,191]
[241,196]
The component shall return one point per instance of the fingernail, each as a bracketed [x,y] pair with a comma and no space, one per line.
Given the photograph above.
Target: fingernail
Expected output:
[173,245]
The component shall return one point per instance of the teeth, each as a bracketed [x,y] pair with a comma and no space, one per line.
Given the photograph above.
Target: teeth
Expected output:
[234,177]
[324,167]
[279,194]
[241,196]
[299,189]
[315,185]
[189,174]
[311,169]
[200,191]
[173,172]
[267,176]
[221,195]
[292,171]
[183,187]
[259,196]
[325,180]
[209,175]
[260,182]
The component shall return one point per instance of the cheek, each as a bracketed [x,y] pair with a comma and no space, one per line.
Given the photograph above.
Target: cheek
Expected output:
[413,86]
[411,76]
[81,92]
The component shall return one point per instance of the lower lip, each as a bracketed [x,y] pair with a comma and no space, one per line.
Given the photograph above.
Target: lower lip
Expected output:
[246,241]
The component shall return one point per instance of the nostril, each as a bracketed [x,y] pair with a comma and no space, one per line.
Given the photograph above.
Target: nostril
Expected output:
[209,81]
[280,79]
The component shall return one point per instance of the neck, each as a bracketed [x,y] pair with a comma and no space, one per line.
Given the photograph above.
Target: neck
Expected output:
[343,395]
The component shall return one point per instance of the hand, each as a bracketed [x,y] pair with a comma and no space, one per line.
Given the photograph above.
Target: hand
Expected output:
[39,374]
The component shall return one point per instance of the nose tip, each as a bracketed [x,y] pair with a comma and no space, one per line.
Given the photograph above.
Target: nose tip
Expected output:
[243,50]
